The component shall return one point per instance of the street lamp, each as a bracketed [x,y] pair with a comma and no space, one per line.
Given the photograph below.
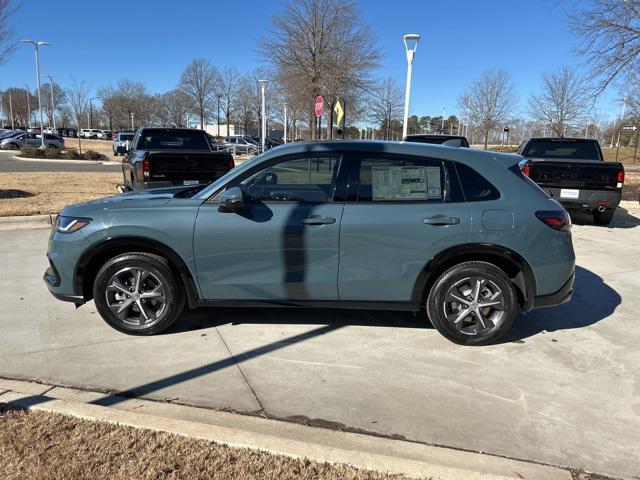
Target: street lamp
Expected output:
[285,121]
[53,106]
[263,84]
[410,44]
[132,128]
[26,87]
[37,44]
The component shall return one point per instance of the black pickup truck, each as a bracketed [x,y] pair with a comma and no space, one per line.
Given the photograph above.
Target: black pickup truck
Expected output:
[573,171]
[160,157]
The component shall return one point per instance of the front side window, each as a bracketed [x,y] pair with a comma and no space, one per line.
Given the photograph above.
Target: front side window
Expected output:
[302,179]
[385,179]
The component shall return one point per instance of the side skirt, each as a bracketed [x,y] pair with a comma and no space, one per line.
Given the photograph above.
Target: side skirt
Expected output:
[346,304]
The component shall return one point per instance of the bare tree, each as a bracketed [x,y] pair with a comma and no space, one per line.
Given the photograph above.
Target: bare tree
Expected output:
[489,101]
[385,105]
[59,99]
[321,47]
[78,96]
[198,82]
[610,34]
[172,108]
[565,98]
[7,34]
[228,86]
[18,103]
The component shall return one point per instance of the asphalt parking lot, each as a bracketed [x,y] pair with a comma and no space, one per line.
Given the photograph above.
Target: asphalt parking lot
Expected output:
[563,389]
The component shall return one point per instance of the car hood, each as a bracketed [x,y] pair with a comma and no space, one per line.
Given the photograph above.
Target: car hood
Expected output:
[155,197]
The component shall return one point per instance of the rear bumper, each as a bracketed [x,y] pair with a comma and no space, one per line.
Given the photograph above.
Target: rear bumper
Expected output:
[556,298]
[587,200]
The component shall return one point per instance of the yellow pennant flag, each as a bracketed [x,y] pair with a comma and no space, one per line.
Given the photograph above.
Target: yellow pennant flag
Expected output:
[339,111]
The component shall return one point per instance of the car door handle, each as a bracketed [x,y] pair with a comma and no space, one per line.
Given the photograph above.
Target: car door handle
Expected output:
[441,220]
[318,220]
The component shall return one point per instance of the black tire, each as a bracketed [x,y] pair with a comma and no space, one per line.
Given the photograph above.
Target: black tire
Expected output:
[159,272]
[470,330]
[13,146]
[603,218]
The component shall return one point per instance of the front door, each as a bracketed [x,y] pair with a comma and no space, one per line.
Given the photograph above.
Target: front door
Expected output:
[283,244]
[401,211]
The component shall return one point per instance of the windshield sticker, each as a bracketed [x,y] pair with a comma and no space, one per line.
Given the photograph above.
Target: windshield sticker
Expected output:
[405,183]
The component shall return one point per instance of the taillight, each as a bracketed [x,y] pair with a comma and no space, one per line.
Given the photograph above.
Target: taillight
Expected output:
[146,164]
[556,219]
[620,178]
[526,169]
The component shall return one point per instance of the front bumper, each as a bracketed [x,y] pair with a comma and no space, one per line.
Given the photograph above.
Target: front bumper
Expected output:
[556,298]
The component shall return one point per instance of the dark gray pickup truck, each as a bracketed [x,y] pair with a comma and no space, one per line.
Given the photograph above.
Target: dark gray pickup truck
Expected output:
[161,157]
[573,171]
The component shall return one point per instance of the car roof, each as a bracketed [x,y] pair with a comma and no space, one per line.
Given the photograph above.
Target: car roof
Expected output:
[431,135]
[563,139]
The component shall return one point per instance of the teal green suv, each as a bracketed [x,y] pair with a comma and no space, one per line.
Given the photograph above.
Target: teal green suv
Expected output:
[460,233]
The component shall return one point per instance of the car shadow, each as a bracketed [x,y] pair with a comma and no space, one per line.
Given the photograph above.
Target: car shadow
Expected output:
[593,300]
[622,219]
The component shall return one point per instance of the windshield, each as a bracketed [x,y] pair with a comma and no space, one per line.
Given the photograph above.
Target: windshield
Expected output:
[168,140]
[564,149]
[125,136]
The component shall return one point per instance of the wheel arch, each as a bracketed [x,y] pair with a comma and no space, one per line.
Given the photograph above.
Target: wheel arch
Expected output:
[512,263]
[96,255]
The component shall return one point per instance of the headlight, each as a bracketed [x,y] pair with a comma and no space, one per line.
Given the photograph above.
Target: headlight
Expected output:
[70,224]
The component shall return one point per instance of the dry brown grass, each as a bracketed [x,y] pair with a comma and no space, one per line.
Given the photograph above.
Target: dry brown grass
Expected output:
[631,188]
[624,156]
[103,146]
[48,192]
[51,446]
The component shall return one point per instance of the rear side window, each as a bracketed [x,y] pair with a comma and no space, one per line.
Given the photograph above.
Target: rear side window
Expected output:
[475,187]
[397,179]
[167,140]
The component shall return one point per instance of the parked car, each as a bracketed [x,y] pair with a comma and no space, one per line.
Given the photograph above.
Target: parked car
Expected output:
[91,133]
[31,139]
[161,157]
[445,140]
[105,134]
[370,225]
[120,139]
[240,145]
[573,171]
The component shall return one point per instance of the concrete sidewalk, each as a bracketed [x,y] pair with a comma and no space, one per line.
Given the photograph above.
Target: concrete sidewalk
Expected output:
[561,390]
[298,441]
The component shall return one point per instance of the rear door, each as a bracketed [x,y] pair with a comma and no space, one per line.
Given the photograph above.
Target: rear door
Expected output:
[400,212]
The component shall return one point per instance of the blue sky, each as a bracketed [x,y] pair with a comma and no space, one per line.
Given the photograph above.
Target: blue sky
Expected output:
[152,41]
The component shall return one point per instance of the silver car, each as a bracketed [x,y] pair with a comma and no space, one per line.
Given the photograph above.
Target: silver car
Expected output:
[240,145]
[120,139]
[31,140]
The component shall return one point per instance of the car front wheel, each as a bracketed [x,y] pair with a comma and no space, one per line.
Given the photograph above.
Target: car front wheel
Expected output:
[472,303]
[137,293]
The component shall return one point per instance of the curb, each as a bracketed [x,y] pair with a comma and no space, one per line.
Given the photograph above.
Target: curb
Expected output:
[26,222]
[74,162]
[277,437]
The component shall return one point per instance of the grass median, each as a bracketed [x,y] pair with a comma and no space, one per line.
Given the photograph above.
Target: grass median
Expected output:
[35,193]
[52,446]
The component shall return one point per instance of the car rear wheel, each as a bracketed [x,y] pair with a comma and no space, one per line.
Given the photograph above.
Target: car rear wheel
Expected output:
[472,303]
[137,293]
[603,218]
[13,146]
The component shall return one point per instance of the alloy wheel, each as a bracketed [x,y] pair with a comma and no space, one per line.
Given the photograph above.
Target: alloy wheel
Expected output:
[136,296]
[474,305]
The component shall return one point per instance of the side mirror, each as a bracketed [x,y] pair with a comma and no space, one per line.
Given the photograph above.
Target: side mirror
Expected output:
[121,149]
[231,200]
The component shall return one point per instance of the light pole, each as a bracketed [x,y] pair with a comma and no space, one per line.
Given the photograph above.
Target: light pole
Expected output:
[37,44]
[53,105]
[13,127]
[263,84]
[285,122]
[218,120]
[410,44]
[26,87]
[132,128]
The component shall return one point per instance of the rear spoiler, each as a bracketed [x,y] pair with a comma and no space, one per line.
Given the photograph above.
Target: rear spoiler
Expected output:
[508,159]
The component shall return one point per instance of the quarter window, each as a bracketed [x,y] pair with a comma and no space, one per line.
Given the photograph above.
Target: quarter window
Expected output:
[308,179]
[400,179]
[475,187]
